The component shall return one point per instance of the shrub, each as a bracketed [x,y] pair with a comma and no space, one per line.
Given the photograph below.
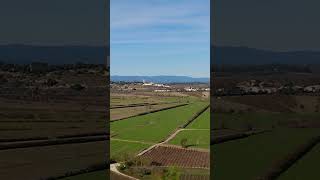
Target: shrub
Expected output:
[183,142]
[51,82]
[146,171]
[77,87]
[172,174]
[122,167]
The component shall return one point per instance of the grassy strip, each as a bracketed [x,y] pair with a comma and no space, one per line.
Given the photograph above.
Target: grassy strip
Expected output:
[195,116]
[22,139]
[11,140]
[145,113]
[282,165]
[202,122]
[16,145]
[140,104]
[97,175]
[84,135]
[86,172]
[235,136]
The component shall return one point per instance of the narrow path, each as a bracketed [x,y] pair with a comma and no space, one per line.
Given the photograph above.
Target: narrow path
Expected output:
[132,141]
[174,134]
[113,168]
[195,129]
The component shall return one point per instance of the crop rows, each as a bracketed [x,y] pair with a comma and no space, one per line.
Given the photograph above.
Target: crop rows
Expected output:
[171,156]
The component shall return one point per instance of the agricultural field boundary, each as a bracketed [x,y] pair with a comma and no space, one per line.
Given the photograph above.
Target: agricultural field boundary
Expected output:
[164,150]
[236,136]
[171,136]
[132,141]
[179,147]
[195,116]
[27,144]
[284,164]
[89,169]
[113,167]
[145,113]
[11,140]
[140,104]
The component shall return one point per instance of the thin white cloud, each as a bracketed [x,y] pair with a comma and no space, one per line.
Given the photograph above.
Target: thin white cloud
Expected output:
[133,21]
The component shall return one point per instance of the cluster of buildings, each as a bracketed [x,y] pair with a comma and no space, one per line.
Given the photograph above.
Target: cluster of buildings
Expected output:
[155,87]
[252,87]
[155,84]
[193,89]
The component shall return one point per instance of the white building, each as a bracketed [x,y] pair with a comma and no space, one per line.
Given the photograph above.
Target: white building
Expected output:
[190,89]
[314,88]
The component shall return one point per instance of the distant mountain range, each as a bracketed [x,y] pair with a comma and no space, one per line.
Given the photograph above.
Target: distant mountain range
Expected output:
[25,54]
[252,56]
[160,79]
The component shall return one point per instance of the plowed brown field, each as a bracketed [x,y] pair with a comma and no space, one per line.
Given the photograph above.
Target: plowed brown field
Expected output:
[172,156]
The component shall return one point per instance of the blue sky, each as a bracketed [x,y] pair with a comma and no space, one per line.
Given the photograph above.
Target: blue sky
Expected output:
[160,37]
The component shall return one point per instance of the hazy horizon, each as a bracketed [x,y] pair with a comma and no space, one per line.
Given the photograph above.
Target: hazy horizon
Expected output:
[162,76]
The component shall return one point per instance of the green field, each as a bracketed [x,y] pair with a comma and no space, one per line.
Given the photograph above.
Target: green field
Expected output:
[202,122]
[154,127]
[257,152]
[99,175]
[195,138]
[184,174]
[119,148]
[135,99]
[149,129]
[241,121]
[305,168]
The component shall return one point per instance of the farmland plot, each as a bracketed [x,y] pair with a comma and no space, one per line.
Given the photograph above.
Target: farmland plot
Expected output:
[99,175]
[259,152]
[305,168]
[127,99]
[195,138]
[119,148]
[202,122]
[171,156]
[73,156]
[131,111]
[196,134]
[154,127]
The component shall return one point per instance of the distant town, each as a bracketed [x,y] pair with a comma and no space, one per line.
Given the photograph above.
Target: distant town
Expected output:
[252,87]
[159,87]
